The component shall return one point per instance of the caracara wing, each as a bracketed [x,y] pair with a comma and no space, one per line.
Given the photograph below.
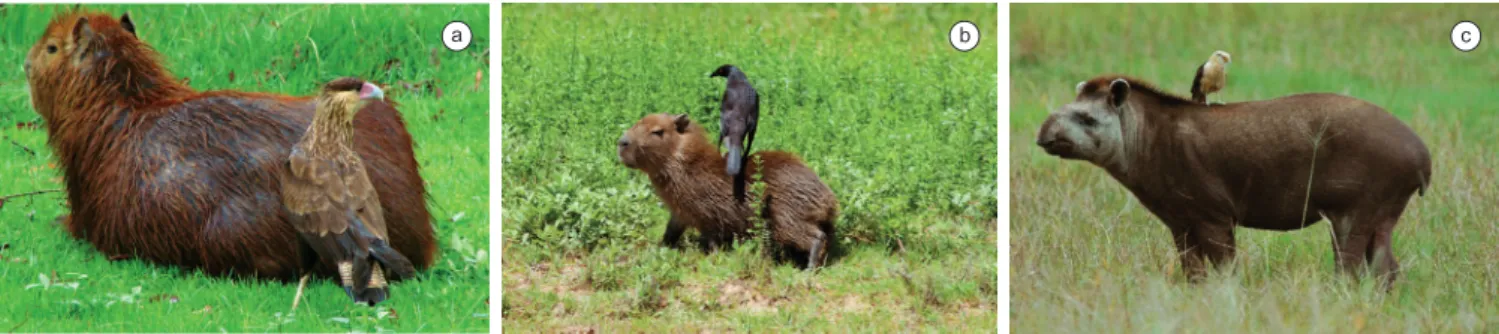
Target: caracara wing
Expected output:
[315,194]
[363,200]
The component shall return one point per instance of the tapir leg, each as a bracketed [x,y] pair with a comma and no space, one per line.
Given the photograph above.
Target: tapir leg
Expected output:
[1352,234]
[1217,244]
[1190,252]
[1381,256]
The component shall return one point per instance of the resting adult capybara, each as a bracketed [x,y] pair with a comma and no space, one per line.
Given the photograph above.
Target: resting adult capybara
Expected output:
[159,171]
[686,172]
[1249,164]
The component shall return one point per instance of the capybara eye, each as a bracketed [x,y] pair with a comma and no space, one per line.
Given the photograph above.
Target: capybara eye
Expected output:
[51,48]
[658,132]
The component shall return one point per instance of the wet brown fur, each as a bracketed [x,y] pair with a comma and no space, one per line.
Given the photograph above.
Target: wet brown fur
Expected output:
[1248,163]
[159,171]
[686,172]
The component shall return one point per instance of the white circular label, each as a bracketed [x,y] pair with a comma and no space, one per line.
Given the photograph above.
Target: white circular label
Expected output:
[964,36]
[1465,36]
[456,36]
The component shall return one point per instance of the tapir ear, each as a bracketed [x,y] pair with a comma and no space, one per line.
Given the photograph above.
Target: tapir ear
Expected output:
[1080,85]
[682,123]
[1118,92]
[127,24]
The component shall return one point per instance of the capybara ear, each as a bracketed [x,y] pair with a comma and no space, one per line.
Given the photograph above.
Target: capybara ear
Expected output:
[1118,92]
[81,30]
[682,123]
[127,24]
[83,35]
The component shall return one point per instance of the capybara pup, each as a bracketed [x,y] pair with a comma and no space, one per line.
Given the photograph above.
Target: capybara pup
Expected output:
[1207,169]
[159,171]
[686,172]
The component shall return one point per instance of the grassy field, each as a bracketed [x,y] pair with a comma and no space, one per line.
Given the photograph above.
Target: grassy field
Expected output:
[898,123]
[1087,257]
[51,282]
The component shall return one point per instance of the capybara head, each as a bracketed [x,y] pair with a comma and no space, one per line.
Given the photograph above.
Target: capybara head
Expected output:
[1090,127]
[88,58]
[655,139]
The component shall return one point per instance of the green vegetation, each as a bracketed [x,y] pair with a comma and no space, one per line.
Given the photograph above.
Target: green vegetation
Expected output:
[899,124]
[1087,258]
[51,282]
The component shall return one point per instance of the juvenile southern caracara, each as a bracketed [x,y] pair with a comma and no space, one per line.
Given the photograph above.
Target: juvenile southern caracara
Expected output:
[1210,76]
[333,206]
[739,116]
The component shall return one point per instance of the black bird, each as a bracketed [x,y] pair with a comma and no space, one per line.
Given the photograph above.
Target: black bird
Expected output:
[737,121]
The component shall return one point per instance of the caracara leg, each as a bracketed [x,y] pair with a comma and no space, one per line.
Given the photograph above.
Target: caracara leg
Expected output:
[300,286]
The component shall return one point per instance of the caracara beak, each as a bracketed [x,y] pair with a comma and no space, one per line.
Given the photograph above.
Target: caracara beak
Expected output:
[369,91]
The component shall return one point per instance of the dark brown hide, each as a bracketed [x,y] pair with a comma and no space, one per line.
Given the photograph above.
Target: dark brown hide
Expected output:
[1250,164]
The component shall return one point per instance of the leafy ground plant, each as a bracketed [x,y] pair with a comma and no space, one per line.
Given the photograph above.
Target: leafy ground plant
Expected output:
[1087,257]
[895,120]
[51,282]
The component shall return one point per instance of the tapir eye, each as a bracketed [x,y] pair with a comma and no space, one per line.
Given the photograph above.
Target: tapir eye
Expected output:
[51,48]
[658,133]
[1086,120]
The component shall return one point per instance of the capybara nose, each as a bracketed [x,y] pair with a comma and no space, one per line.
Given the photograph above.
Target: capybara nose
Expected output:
[624,141]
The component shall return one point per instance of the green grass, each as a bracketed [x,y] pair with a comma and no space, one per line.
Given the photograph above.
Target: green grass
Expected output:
[54,283]
[898,123]
[1087,257]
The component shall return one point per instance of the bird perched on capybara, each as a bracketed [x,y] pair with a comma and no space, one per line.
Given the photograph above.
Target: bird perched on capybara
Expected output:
[1211,76]
[1206,169]
[684,170]
[159,171]
[739,116]
[333,205]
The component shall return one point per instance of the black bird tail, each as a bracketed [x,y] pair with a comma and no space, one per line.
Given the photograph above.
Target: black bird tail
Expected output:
[736,159]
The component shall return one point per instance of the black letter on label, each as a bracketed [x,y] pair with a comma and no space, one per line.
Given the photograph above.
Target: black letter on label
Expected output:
[457,36]
[962,35]
[1465,36]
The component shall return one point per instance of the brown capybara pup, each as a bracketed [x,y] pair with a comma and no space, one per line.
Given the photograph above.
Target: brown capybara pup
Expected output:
[1280,164]
[159,171]
[686,172]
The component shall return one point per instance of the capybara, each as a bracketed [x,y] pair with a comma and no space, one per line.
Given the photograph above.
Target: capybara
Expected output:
[739,117]
[686,172]
[159,171]
[1206,169]
[332,203]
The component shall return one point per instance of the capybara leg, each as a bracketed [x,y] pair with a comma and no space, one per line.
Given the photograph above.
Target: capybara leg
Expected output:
[1216,244]
[1189,252]
[674,229]
[816,250]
